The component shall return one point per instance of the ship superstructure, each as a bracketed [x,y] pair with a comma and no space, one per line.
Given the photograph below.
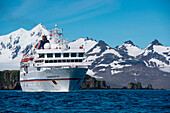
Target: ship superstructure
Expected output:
[56,68]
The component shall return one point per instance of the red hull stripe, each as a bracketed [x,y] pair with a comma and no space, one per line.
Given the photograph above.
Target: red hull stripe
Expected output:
[35,80]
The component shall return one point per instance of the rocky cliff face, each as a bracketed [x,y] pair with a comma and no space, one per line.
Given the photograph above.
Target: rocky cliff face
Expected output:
[138,85]
[9,80]
[91,83]
[135,85]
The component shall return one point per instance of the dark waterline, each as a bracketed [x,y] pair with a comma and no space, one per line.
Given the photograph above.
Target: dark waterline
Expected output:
[85,101]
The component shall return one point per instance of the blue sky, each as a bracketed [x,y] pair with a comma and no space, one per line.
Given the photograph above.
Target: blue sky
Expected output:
[114,21]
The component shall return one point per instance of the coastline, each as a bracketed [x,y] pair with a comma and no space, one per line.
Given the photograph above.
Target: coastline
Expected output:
[9,80]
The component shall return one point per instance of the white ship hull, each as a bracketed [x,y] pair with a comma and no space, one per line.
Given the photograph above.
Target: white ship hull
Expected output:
[52,79]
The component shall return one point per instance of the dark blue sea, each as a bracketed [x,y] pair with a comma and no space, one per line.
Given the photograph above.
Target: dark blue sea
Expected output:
[86,101]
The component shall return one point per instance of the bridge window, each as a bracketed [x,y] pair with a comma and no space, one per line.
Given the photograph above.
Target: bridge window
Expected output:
[55,61]
[59,61]
[63,61]
[81,54]
[73,54]
[50,61]
[80,60]
[57,54]
[68,60]
[38,61]
[49,55]
[66,54]
[41,55]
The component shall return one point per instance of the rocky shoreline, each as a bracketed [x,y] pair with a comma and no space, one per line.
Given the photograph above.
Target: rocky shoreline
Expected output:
[9,80]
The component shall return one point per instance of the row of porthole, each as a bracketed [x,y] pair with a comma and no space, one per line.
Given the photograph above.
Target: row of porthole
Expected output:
[50,55]
[63,61]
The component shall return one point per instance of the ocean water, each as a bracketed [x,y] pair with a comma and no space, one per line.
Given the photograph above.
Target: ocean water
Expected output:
[86,101]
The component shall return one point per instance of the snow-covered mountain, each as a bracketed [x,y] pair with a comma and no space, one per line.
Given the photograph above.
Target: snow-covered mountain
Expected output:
[18,43]
[129,63]
[117,66]
[129,49]
[156,55]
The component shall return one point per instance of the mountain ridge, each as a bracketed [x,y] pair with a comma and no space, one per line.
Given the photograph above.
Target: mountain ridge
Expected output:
[117,66]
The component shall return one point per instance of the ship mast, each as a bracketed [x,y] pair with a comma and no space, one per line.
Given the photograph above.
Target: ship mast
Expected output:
[57,33]
[56,36]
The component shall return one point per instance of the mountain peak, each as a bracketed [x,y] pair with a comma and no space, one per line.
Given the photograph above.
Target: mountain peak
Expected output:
[20,30]
[39,26]
[156,42]
[129,42]
[103,44]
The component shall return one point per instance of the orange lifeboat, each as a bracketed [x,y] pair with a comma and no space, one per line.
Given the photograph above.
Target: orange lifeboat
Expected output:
[24,60]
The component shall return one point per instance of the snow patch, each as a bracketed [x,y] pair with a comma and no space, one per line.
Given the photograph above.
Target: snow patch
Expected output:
[165,69]
[111,51]
[102,69]
[158,62]
[115,72]
[133,50]
[87,44]
[105,65]
[90,72]
[95,50]
[116,65]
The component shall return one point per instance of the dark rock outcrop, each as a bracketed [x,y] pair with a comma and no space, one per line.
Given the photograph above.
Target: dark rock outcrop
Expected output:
[149,86]
[135,85]
[9,80]
[91,83]
[138,85]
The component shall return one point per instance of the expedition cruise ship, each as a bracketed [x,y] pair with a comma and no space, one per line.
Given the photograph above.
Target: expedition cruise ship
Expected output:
[56,68]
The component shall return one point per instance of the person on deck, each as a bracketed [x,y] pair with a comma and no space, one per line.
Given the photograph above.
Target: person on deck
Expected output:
[42,42]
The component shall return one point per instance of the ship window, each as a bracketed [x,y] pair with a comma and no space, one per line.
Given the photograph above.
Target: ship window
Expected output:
[38,61]
[59,61]
[81,54]
[72,60]
[73,54]
[76,60]
[55,61]
[49,55]
[66,54]
[57,54]
[63,60]
[68,60]
[41,55]
[46,61]
[50,61]
[38,68]
[80,60]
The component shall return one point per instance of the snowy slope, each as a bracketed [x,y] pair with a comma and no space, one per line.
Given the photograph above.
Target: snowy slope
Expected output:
[87,43]
[130,49]
[127,63]
[102,57]
[156,55]
[16,44]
